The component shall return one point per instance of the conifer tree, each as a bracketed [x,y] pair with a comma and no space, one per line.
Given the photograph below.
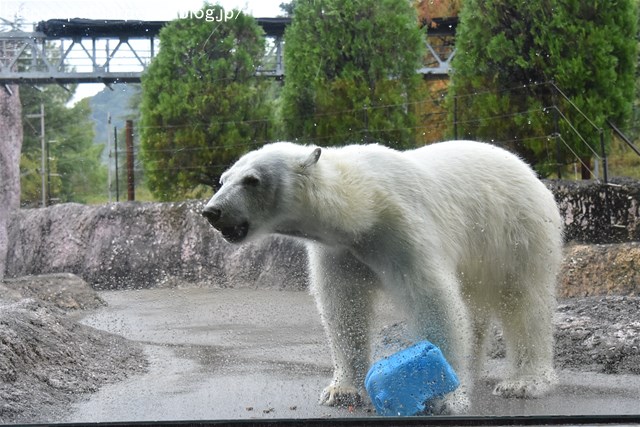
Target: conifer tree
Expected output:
[508,52]
[351,72]
[202,105]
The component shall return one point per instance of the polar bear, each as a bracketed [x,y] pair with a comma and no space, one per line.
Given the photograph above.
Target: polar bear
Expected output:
[457,234]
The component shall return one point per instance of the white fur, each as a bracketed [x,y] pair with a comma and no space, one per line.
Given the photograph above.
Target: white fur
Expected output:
[458,234]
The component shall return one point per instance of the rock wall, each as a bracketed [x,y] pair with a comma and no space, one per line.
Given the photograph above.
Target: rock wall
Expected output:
[141,245]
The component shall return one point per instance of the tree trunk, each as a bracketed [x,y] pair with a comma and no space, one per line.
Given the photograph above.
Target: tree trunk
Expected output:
[10,147]
[585,167]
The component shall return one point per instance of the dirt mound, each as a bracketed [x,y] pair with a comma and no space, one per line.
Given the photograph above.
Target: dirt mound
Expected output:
[589,270]
[64,290]
[46,357]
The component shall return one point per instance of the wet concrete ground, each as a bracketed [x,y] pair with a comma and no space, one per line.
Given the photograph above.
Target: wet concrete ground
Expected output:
[230,354]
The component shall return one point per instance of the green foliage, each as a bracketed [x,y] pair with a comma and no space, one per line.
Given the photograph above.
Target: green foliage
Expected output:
[623,161]
[202,106]
[507,51]
[76,174]
[288,8]
[351,71]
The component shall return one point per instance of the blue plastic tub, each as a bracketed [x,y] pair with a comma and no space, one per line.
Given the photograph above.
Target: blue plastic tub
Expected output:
[403,383]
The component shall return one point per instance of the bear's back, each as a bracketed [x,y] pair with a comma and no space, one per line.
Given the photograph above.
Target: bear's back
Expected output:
[470,157]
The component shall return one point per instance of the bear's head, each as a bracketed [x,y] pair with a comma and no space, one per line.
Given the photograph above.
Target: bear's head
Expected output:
[257,193]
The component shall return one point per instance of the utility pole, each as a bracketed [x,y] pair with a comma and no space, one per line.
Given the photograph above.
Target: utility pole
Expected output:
[109,161]
[51,200]
[115,143]
[44,154]
[43,157]
[131,191]
[48,174]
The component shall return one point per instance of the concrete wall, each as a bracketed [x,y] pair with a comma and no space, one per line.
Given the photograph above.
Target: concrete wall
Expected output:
[598,213]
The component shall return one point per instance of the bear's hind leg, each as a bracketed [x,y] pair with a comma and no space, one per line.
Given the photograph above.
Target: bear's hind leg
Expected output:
[343,288]
[481,325]
[528,334]
[438,314]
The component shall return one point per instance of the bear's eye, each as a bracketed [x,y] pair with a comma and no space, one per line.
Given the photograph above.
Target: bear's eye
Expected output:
[250,181]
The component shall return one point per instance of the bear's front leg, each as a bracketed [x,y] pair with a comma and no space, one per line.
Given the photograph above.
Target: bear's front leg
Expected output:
[343,290]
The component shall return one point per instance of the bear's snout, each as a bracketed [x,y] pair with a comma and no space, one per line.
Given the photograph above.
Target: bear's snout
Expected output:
[212,214]
[233,230]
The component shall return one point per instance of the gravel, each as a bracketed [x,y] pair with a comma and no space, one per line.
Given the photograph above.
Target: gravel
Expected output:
[600,334]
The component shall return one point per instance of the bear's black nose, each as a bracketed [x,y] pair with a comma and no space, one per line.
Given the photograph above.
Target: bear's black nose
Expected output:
[212,214]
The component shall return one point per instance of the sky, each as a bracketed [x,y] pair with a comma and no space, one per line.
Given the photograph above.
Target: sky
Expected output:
[33,11]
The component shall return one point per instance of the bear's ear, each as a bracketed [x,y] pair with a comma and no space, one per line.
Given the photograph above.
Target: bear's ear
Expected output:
[312,159]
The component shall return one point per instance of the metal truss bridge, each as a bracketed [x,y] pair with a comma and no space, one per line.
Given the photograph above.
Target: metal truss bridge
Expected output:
[66,51]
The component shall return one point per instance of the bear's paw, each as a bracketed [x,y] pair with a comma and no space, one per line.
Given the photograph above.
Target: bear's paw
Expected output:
[527,387]
[455,403]
[341,396]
